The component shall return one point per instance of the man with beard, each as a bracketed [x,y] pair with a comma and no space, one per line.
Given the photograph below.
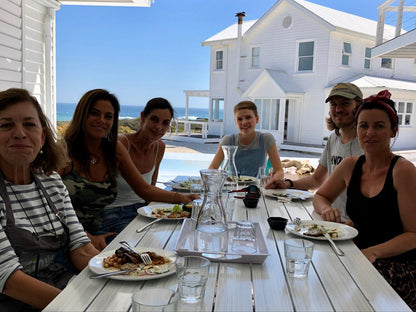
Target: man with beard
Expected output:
[342,143]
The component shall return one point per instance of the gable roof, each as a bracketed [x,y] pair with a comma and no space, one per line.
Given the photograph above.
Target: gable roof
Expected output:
[335,18]
[273,84]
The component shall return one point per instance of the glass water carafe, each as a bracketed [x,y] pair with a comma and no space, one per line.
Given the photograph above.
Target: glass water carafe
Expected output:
[211,231]
[229,162]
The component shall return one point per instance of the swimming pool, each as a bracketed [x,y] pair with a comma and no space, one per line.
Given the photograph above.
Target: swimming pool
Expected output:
[186,164]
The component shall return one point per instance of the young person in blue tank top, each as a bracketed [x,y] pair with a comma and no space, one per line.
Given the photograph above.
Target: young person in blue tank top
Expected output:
[146,149]
[380,196]
[253,146]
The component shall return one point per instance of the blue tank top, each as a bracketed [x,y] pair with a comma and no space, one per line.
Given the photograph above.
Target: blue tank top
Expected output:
[248,161]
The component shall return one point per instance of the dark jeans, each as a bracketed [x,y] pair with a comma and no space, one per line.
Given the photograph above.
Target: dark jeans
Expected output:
[117,218]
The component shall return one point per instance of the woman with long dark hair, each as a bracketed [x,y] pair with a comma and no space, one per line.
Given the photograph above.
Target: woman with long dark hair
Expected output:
[96,157]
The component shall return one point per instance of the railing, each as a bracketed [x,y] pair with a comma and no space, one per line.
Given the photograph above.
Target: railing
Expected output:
[187,125]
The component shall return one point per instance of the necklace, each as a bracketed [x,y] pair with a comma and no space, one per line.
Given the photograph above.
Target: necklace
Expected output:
[94,159]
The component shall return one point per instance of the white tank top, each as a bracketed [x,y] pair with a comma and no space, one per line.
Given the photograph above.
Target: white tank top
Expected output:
[125,195]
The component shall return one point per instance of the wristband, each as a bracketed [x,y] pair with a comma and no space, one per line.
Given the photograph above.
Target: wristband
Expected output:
[290,182]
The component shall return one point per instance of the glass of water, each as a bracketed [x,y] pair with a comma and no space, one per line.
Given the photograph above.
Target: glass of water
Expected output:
[244,239]
[154,299]
[192,275]
[298,254]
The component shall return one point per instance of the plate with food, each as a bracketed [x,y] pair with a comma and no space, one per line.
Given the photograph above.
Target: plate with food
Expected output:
[182,186]
[310,229]
[163,264]
[288,194]
[164,211]
[244,180]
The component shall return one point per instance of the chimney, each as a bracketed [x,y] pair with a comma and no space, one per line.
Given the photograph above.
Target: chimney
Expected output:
[240,16]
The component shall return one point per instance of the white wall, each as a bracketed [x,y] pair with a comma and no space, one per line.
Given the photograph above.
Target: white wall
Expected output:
[26,60]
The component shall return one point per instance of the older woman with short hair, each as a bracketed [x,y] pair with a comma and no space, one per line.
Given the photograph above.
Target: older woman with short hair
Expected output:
[40,234]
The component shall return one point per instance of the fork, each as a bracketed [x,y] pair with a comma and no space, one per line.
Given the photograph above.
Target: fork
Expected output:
[144,256]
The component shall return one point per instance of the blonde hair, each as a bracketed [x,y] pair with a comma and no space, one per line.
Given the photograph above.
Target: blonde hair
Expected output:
[246,105]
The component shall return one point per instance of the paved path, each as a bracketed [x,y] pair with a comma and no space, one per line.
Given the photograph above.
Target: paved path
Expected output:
[211,148]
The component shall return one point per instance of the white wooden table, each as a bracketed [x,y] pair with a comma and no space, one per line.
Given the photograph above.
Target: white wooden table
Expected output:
[348,283]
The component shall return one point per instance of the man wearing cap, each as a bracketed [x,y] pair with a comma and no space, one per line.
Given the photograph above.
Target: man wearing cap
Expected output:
[342,143]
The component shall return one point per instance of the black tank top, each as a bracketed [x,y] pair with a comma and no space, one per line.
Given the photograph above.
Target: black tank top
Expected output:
[377,219]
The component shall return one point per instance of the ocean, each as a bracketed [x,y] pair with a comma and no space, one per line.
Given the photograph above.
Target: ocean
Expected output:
[65,112]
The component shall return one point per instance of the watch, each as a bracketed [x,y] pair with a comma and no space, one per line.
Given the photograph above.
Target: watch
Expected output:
[290,182]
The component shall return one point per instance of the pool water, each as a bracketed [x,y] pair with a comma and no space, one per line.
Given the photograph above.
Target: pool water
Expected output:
[182,164]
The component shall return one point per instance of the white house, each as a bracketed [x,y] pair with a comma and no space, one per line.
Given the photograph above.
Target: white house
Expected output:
[288,60]
[27,45]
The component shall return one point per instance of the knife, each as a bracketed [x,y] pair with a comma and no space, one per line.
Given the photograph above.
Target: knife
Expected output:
[112,273]
[328,237]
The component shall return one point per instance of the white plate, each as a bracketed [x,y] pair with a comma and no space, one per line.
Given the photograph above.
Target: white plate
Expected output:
[146,211]
[289,193]
[345,231]
[96,264]
[244,180]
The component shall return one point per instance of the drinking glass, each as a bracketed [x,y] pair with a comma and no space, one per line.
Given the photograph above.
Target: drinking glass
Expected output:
[298,253]
[263,176]
[192,275]
[195,185]
[196,207]
[155,299]
[244,239]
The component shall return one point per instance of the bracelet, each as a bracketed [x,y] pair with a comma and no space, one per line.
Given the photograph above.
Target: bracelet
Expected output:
[290,182]
[174,196]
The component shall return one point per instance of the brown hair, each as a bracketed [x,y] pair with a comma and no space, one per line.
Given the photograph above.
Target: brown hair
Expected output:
[74,134]
[246,105]
[51,158]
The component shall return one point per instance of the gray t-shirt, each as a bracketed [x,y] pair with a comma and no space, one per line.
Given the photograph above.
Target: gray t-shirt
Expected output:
[268,141]
[335,151]
[250,157]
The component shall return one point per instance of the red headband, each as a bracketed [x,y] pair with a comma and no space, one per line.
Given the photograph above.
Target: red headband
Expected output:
[378,99]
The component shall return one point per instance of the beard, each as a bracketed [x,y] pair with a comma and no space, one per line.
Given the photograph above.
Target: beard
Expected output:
[347,120]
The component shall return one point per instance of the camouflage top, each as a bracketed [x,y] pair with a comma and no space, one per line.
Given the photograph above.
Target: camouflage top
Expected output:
[89,198]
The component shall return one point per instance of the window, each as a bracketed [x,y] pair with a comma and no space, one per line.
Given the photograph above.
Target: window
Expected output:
[346,54]
[367,58]
[386,62]
[219,59]
[255,57]
[404,111]
[269,114]
[305,56]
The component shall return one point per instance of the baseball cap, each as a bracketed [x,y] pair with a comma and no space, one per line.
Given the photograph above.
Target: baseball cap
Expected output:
[345,89]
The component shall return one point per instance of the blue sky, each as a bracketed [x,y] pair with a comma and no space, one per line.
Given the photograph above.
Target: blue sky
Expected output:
[141,53]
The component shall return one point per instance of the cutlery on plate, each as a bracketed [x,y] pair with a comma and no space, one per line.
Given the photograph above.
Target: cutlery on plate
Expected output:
[149,224]
[329,239]
[144,256]
[112,273]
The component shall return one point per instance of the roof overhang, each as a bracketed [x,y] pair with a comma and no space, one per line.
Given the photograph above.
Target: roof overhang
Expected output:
[403,46]
[197,93]
[131,3]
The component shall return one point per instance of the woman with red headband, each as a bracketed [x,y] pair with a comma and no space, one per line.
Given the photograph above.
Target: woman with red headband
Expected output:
[380,196]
